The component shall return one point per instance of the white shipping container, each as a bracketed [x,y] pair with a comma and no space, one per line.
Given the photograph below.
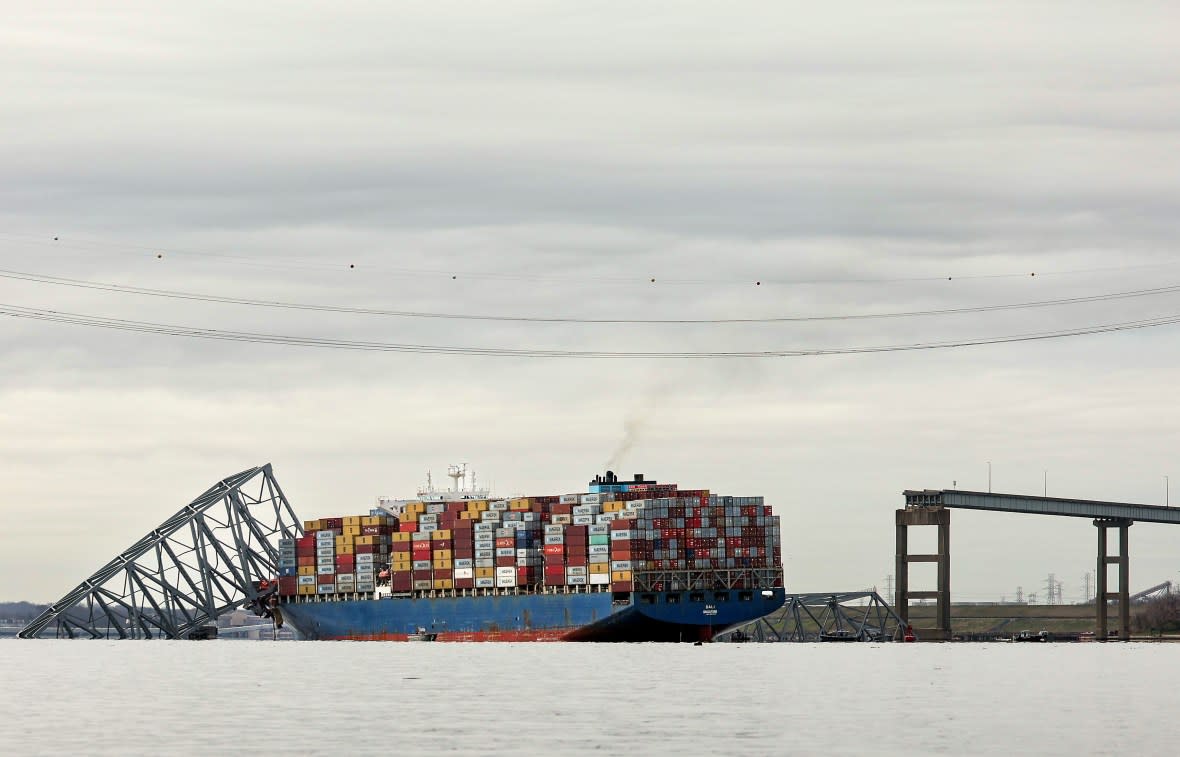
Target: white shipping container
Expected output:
[599,549]
[484,528]
[325,588]
[485,583]
[420,565]
[505,552]
[322,536]
[465,562]
[600,578]
[506,581]
[576,580]
[554,539]
[427,518]
[305,580]
[621,535]
[419,536]
[576,570]
[490,516]
[592,499]
[569,499]
[554,529]
[345,578]
[598,530]
[599,558]
[489,563]
[583,520]
[427,528]
[485,554]
[325,570]
[464,573]
[366,586]
[497,507]
[620,564]
[506,571]
[366,559]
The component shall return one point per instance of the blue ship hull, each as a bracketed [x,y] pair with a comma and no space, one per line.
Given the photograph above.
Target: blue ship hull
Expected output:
[661,616]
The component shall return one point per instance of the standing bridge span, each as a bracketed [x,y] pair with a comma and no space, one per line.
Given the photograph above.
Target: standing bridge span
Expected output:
[931,507]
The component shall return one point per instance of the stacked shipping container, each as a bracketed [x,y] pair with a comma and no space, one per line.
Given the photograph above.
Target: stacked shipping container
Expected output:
[338,555]
[598,541]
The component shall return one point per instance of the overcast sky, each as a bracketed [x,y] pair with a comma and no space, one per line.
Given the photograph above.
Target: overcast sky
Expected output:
[549,160]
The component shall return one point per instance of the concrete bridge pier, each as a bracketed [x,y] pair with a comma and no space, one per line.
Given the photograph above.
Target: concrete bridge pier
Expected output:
[1122,596]
[925,516]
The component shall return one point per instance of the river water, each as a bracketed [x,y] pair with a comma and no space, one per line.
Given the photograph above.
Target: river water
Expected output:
[335,698]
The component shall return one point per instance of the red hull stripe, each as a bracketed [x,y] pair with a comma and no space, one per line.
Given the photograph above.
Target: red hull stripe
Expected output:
[548,634]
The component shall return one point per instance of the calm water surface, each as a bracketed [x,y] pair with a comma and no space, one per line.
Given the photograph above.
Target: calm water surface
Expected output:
[330,698]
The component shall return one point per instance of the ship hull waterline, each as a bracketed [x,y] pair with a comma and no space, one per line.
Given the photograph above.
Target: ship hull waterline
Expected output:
[665,617]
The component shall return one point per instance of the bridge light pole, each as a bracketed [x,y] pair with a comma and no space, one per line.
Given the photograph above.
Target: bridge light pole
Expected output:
[1167,492]
[989,476]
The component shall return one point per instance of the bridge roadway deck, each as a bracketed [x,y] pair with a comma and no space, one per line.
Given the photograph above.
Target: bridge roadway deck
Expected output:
[1023,503]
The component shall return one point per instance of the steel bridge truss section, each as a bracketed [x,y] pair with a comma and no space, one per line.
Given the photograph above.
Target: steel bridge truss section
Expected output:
[847,616]
[199,564]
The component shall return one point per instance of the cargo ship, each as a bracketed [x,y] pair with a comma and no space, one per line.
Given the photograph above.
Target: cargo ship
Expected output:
[630,560]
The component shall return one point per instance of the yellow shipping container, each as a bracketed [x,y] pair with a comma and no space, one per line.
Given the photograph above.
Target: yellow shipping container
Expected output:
[416,507]
[345,549]
[620,575]
[312,525]
[306,570]
[444,583]
[351,520]
[440,535]
[441,554]
[369,539]
[612,507]
[400,565]
[409,517]
[523,503]
[305,590]
[485,572]
[442,565]
[400,536]
[600,567]
[477,505]
[371,520]
[467,515]
[352,530]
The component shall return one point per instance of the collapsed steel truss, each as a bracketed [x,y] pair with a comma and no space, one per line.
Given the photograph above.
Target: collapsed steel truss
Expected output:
[847,616]
[200,563]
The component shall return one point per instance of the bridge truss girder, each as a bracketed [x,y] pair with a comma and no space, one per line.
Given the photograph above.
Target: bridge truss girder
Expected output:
[844,616]
[202,562]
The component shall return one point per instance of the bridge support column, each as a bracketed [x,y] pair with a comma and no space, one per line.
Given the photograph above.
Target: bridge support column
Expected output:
[1122,596]
[925,516]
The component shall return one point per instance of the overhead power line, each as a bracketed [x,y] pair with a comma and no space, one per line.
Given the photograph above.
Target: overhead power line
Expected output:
[346,344]
[530,274]
[198,297]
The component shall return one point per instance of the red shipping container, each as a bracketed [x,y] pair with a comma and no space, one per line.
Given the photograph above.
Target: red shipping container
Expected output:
[304,561]
[420,547]
[407,526]
[334,523]
[577,561]
[620,586]
[444,573]
[505,562]
[464,583]
[287,585]
[554,549]
[560,509]
[400,582]
[370,530]
[421,575]
[505,541]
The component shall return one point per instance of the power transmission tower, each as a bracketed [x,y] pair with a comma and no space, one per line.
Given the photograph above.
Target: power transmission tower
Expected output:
[1051,585]
[1019,595]
[1086,587]
[889,589]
